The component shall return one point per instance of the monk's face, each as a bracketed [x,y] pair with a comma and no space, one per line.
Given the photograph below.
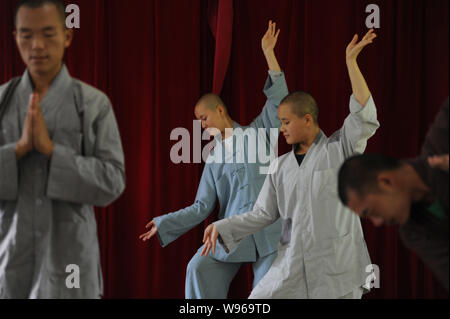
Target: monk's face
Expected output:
[295,129]
[41,38]
[213,121]
[383,205]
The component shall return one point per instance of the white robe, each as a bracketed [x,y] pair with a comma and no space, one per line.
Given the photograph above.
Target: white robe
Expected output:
[322,252]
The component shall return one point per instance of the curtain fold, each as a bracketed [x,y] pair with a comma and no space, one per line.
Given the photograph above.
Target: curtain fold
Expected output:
[220,18]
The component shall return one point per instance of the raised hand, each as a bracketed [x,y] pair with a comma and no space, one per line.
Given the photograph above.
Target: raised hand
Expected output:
[359,85]
[269,40]
[153,230]
[355,47]
[41,140]
[209,239]
[268,44]
[25,144]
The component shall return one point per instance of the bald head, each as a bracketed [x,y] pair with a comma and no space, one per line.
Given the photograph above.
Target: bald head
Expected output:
[211,101]
[302,103]
[213,114]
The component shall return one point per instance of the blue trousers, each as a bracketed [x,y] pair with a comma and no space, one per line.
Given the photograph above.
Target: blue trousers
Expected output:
[207,278]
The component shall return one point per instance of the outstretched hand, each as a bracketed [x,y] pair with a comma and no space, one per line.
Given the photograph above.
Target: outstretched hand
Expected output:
[355,47]
[153,230]
[269,40]
[209,239]
[439,161]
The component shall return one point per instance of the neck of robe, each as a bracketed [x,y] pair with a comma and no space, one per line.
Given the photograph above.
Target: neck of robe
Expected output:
[303,147]
[42,82]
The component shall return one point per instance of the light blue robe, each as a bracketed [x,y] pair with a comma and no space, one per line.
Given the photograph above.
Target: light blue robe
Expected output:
[235,187]
[47,219]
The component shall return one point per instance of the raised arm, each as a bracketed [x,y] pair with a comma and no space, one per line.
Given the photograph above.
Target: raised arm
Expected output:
[362,122]
[275,87]
[359,86]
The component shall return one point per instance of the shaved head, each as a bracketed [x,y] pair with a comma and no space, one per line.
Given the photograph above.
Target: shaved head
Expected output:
[211,101]
[302,103]
[213,114]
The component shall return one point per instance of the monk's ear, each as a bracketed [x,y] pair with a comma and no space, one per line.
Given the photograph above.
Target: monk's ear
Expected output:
[68,33]
[309,119]
[221,110]
[386,180]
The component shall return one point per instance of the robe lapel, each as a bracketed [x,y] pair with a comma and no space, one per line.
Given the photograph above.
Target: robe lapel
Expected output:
[297,172]
[57,91]
[313,152]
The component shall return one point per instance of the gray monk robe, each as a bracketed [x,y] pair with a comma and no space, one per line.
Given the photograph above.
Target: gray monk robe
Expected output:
[322,252]
[47,220]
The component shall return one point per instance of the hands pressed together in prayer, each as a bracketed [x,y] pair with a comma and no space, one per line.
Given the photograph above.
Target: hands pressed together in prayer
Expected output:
[35,133]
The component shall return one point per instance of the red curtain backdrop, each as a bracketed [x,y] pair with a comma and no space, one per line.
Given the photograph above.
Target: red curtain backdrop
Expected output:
[154,59]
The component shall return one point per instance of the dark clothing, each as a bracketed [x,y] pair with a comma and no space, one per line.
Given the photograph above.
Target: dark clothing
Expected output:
[426,231]
[299,158]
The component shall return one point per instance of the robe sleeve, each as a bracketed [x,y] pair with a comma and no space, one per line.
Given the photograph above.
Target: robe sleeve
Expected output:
[96,180]
[359,126]
[275,90]
[265,212]
[8,172]
[173,225]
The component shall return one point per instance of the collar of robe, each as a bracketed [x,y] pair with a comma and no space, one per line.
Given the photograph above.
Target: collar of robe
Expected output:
[311,151]
[60,84]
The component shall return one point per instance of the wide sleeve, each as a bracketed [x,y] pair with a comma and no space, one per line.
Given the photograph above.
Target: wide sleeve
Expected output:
[173,225]
[275,90]
[8,172]
[94,180]
[265,212]
[359,126]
